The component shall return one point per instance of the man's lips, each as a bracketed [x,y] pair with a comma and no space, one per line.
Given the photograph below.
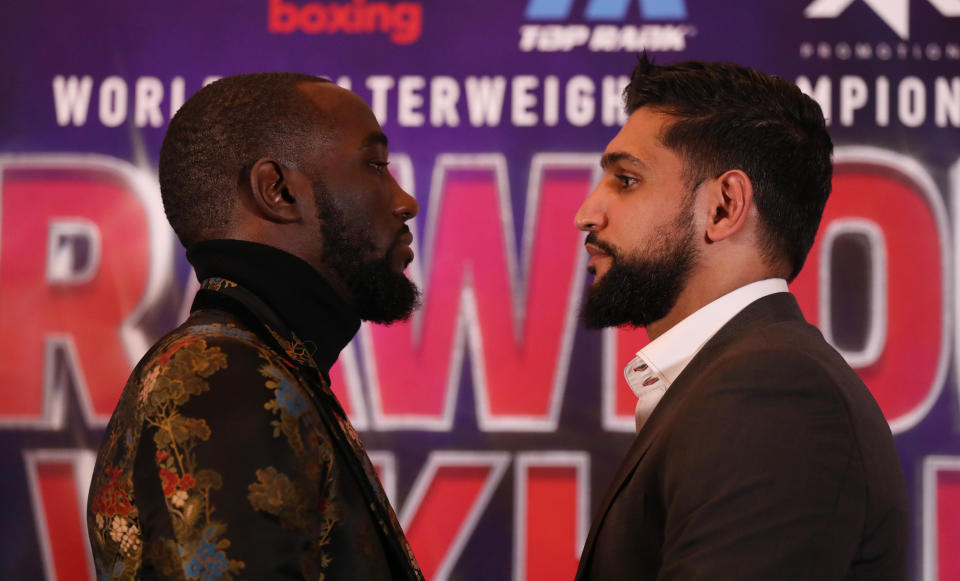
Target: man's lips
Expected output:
[597,255]
[599,252]
[403,242]
[595,246]
[594,250]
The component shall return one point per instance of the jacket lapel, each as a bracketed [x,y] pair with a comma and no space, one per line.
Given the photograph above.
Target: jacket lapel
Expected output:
[769,309]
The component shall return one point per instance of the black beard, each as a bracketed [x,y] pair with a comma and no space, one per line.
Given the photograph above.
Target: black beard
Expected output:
[638,290]
[380,295]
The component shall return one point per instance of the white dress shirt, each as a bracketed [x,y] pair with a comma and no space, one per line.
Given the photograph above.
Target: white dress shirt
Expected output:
[657,365]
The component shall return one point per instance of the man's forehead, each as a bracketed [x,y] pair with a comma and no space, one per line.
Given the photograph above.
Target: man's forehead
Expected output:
[375,139]
[614,157]
[639,140]
[647,122]
[346,117]
[323,91]
[332,100]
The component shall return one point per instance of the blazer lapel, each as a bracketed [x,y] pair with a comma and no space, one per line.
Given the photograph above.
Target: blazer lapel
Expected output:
[653,427]
[771,308]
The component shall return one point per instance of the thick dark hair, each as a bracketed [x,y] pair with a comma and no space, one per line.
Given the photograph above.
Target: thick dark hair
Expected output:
[731,117]
[216,136]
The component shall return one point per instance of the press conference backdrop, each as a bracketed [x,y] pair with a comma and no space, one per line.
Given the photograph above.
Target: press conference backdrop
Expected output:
[494,419]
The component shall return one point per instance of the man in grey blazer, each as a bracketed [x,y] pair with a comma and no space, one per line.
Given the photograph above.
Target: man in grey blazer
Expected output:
[759,452]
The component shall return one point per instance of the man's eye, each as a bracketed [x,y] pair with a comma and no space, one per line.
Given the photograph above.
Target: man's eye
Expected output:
[625,181]
[380,166]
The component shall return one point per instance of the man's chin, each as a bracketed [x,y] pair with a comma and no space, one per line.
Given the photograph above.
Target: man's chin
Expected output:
[600,271]
[597,280]
[386,298]
[399,269]
[399,258]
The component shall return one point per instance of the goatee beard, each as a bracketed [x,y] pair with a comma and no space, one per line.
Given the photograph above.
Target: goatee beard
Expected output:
[379,294]
[638,290]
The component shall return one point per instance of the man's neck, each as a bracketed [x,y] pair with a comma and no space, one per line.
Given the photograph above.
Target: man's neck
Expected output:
[701,290]
[302,299]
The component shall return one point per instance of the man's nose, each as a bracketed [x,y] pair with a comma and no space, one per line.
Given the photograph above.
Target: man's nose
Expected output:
[591,215]
[405,206]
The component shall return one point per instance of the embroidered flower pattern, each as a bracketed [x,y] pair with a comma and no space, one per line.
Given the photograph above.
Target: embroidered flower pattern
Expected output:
[126,534]
[114,497]
[224,330]
[186,487]
[202,559]
[158,413]
[116,521]
[305,504]
[217,283]
[294,348]
[149,381]
[177,373]
[115,573]
[288,397]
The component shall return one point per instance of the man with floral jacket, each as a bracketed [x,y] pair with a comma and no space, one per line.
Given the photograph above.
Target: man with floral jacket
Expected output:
[228,456]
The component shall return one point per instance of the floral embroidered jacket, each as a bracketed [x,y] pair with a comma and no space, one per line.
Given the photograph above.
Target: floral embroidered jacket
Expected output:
[228,457]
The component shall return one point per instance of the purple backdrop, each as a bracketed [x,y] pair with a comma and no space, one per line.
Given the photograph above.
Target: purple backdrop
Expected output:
[495,421]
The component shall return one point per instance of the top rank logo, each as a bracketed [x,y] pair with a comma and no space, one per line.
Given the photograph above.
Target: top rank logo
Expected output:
[604,37]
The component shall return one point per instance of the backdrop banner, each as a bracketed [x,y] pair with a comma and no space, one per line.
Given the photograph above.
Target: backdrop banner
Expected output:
[494,419]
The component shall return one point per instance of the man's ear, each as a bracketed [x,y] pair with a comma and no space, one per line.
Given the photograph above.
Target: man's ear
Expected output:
[730,206]
[277,190]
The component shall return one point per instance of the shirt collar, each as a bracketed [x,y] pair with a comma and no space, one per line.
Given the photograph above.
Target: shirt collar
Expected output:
[664,359]
[293,289]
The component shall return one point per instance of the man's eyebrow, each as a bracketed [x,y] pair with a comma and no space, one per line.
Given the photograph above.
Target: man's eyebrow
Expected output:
[375,138]
[613,157]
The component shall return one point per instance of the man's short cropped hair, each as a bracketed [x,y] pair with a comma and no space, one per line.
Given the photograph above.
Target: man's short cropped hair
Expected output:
[218,134]
[731,117]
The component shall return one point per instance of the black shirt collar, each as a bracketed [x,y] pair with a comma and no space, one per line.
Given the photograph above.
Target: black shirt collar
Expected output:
[296,292]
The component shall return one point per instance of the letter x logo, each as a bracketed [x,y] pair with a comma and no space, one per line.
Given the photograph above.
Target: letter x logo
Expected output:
[896,13]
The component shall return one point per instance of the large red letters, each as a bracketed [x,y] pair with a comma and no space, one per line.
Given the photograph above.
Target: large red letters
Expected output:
[551,499]
[894,196]
[517,321]
[446,501]
[82,248]
[58,487]
[82,255]
[941,527]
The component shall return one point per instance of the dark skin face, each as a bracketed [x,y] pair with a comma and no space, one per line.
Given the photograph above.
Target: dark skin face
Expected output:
[340,185]
[350,167]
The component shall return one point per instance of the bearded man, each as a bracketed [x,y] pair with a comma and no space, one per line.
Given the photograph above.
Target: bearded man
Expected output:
[228,456]
[759,452]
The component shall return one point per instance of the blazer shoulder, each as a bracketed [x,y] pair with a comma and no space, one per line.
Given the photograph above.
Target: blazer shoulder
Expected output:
[791,350]
[204,330]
